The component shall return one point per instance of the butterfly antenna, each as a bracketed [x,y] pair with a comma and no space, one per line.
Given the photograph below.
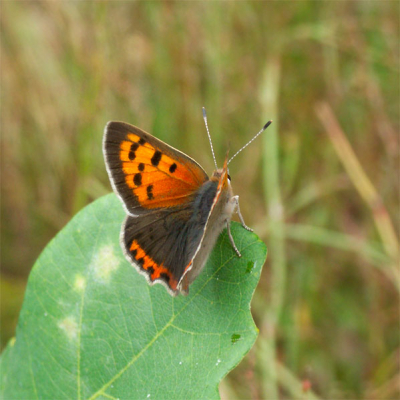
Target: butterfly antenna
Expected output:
[209,137]
[254,138]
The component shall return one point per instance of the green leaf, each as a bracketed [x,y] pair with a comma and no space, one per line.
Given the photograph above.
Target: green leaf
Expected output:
[92,328]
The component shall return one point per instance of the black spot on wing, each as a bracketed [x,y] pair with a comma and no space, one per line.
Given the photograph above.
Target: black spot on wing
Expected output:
[150,192]
[165,277]
[141,167]
[134,147]
[137,179]
[172,168]
[150,270]
[155,160]
[140,261]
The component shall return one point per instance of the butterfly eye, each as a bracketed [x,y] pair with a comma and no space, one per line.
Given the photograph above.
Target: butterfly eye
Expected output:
[229,177]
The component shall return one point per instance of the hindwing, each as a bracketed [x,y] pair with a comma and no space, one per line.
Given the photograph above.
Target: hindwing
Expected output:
[162,243]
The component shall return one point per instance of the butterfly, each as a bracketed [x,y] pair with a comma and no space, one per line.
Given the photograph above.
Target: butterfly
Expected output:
[175,212]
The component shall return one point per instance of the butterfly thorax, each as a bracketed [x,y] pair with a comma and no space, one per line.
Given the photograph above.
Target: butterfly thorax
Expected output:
[217,174]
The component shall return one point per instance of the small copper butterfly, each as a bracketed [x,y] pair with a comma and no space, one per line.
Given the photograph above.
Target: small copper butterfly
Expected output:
[175,212]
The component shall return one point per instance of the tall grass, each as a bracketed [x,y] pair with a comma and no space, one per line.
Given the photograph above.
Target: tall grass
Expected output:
[321,186]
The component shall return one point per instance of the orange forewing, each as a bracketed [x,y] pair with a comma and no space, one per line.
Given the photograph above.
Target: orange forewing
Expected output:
[148,173]
[167,188]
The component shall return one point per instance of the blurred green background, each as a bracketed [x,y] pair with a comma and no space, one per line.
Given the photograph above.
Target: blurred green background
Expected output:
[320,187]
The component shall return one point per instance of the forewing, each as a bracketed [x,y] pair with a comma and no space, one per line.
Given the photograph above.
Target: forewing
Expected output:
[147,173]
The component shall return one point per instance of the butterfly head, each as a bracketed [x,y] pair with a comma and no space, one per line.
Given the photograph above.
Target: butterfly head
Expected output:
[222,175]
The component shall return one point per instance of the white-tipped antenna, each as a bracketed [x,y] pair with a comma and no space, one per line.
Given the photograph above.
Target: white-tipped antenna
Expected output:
[209,137]
[254,138]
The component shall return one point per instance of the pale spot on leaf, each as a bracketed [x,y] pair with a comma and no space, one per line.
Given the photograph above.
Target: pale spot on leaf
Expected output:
[70,327]
[104,262]
[80,283]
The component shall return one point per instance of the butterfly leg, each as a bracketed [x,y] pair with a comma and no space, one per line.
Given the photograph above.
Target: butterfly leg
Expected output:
[236,199]
[228,228]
